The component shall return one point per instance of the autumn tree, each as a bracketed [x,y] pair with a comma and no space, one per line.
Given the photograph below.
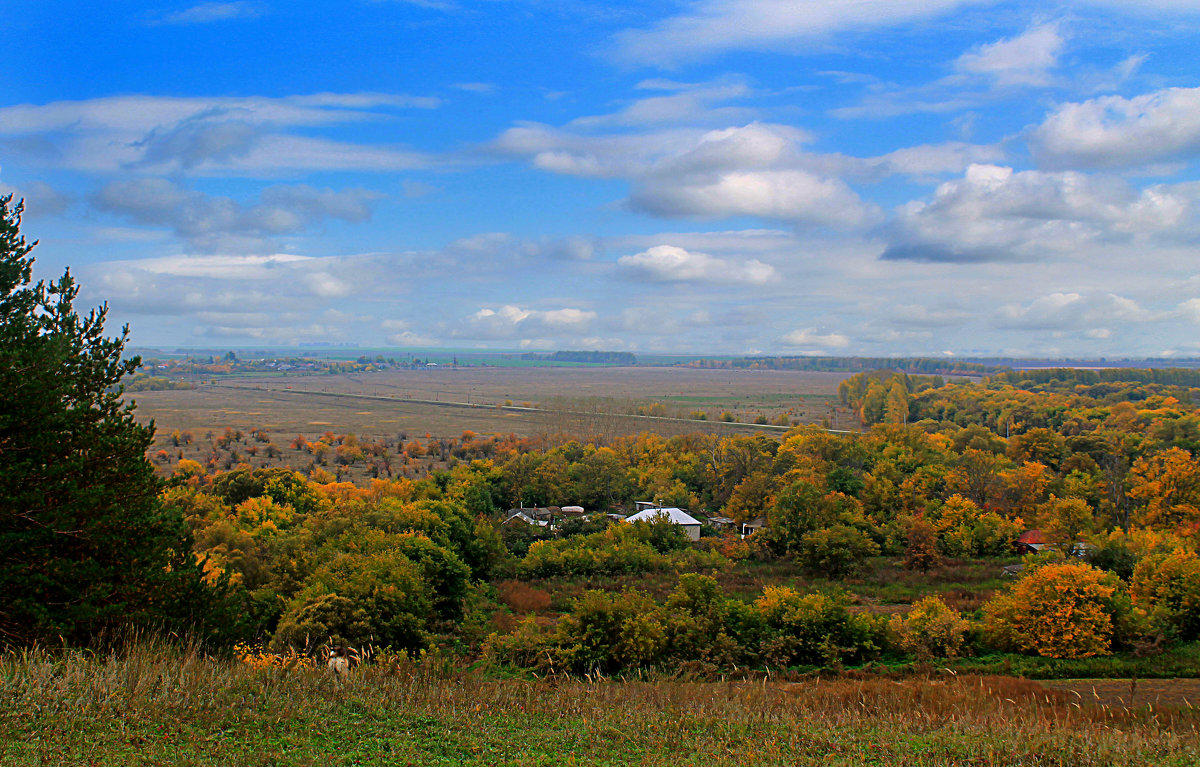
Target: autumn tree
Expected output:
[1171,583]
[1064,610]
[1167,485]
[85,543]
[921,551]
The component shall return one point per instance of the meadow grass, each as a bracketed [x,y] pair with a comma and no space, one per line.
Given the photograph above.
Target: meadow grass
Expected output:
[152,704]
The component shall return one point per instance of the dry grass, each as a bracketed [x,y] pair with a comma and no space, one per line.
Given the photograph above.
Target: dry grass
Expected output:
[155,705]
[520,597]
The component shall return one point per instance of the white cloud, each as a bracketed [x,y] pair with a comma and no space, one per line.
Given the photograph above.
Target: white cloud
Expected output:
[996,214]
[575,154]
[814,338]
[686,103]
[240,135]
[40,198]
[752,170]
[717,26]
[1116,132]
[936,159]
[510,322]
[218,223]
[220,267]
[1022,60]
[206,13]
[412,338]
[668,263]
[325,285]
[482,88]
[1073,311]
[920,315]
[787,195]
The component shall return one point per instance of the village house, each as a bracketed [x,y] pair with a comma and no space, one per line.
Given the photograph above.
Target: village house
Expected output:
[675,516]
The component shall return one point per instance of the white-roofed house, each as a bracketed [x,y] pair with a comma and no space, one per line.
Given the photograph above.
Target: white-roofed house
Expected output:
[674,515]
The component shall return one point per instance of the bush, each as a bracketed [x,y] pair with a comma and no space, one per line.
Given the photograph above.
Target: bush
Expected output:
[1061,610]
[528,646]
[619,550]
[608,632]
[696,624]
[389,603]
[837,551]
[921,552]
[930,630]
[325,618]
[1171,583]
[1116,557]
[814,629]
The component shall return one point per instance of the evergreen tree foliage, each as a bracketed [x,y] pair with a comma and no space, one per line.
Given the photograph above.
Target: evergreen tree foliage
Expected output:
[85,543]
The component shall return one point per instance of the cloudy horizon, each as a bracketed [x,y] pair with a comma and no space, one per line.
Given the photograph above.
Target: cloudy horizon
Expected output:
[876,178]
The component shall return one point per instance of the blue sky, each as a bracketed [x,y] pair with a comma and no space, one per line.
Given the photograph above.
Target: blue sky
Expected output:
[881,177]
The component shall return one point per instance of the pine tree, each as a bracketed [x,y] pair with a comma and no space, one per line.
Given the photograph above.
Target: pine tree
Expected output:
[85,544]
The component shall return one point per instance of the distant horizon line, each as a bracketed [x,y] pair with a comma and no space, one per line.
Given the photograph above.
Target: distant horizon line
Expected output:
[1106,360]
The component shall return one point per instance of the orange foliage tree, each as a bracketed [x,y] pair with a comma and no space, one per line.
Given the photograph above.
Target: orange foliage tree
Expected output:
[1062,610]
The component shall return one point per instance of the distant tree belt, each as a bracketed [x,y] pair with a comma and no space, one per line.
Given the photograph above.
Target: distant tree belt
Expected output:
[1072,376]
[851,364]
[602,358]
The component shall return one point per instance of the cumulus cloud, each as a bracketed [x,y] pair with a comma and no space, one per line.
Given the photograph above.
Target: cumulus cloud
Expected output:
[813,338]
[210,222]
[753,170]
[1119,132]
[1022,60]
[511,322]
[786,195]
[668,263]
[996,214]
[198,287]
[401,333]
[1073,311]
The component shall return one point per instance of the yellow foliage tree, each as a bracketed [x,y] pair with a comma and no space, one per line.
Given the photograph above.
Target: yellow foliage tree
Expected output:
[930,630]
[1167,484]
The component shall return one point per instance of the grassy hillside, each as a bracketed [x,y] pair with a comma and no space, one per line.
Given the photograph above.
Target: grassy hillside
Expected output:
[155,705]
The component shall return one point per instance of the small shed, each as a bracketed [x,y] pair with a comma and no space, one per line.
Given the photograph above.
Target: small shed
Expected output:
[572,511]
[1030,542]
[520,517]
[754,525]
[674,515]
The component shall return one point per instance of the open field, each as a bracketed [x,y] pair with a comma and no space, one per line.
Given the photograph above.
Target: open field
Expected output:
[154,705]
[442,403]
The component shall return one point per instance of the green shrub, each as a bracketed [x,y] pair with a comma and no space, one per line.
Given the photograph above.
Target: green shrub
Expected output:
[387,587]
[814,629]
[619,550]
[608,632]
[930,630]
[1171,583]
[836,551]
